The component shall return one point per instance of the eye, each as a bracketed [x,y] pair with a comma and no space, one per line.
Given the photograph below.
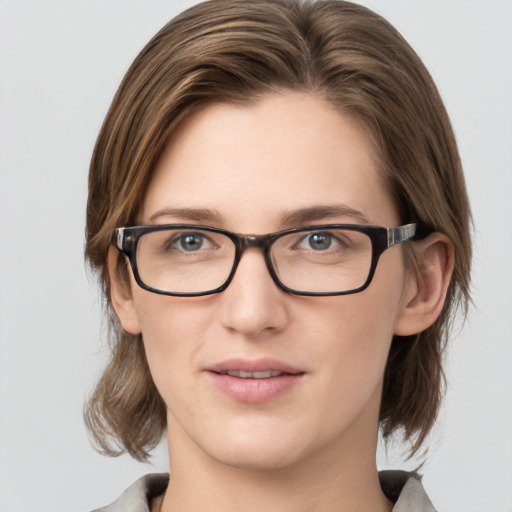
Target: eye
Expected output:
[190,242]
[318,241]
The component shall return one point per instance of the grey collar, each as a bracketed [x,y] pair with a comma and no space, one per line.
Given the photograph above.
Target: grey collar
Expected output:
[401,487]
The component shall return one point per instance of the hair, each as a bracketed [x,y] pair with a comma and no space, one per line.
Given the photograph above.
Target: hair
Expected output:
[235,51]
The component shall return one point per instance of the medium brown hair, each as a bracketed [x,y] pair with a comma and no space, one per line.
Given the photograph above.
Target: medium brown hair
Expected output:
[238,51]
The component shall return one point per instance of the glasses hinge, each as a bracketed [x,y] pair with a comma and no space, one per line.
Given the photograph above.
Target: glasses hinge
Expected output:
[120,238]
[400,234]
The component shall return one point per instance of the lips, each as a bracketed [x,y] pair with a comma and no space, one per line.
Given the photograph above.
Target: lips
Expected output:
[253,366]
[255,381]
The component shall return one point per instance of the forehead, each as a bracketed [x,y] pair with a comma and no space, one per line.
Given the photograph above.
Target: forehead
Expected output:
[253,164]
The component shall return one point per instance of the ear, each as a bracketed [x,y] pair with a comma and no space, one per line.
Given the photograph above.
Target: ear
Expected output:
[426,292]
[121,296]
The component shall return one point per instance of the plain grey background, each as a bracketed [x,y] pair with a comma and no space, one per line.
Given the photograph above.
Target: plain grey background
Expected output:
[60,64]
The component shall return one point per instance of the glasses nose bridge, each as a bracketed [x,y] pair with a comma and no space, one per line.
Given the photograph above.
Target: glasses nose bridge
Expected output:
[250,241]
[261,242]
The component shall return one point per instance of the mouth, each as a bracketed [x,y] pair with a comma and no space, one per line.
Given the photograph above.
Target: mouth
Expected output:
[254,381]
[267,374]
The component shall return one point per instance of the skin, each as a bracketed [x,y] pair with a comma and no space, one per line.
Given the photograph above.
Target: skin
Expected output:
[313,446]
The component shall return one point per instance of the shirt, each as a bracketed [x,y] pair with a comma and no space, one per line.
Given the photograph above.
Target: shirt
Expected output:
[402,488]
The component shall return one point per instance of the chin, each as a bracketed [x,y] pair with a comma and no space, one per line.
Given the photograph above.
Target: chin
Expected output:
[259,458]
[263,448]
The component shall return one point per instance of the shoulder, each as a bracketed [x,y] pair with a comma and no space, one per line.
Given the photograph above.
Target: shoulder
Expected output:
[138,496]
[406,490]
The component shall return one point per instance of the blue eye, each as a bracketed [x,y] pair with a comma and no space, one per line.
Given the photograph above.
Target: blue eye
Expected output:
[319,241]
[190,242]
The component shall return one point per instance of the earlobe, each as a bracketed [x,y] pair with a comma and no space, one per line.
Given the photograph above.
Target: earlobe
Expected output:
[425,295]
[121,297]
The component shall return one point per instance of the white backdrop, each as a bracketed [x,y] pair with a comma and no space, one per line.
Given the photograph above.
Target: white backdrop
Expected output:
[60,63]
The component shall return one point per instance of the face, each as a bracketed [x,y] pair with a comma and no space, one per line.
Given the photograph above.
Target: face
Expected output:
[259,169]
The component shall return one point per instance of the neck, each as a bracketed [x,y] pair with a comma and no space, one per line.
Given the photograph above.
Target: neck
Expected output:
[342,475]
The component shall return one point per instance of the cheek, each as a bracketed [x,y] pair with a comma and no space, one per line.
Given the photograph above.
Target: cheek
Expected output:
[173,331]
[358,330]
[355,339]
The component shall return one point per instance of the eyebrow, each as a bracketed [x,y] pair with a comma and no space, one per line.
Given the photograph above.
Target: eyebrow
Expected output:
[188,214]
[295,218]
[316,213]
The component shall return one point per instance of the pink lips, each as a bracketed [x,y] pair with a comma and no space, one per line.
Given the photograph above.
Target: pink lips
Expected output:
[255,381]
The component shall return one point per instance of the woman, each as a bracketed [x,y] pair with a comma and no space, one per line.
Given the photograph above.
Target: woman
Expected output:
[278,215]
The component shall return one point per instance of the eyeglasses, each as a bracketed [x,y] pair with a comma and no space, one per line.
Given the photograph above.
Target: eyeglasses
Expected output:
[189,261]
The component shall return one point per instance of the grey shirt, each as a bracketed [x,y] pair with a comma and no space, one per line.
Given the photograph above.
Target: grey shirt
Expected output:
[403,488]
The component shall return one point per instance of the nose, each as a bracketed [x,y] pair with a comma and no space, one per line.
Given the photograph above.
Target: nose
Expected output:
[252,304]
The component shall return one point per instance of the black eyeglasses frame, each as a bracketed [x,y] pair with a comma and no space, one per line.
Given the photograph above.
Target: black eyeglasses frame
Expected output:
[126,239]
